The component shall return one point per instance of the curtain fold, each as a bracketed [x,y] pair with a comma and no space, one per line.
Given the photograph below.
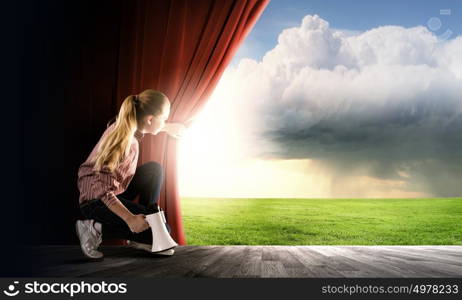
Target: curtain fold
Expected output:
[181,48]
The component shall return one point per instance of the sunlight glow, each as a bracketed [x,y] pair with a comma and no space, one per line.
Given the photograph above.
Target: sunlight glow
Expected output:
[214,161]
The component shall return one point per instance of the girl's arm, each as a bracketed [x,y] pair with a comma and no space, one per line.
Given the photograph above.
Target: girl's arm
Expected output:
[117,207]
[136,223]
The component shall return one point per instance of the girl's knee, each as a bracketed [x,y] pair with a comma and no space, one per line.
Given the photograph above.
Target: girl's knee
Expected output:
[155,167]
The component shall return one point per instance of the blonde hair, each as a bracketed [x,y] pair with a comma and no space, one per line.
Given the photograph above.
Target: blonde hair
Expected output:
[116,144]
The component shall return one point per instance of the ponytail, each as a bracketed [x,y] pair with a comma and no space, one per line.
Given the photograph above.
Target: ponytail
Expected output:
[116,144]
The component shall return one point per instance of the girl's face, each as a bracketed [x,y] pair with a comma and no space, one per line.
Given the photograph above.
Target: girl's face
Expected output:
[153,124]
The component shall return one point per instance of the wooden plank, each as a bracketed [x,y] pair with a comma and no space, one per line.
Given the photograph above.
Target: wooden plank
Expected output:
[269,253]
[369,264]
[419,265]
[301,267]
[228,257]
[234,267]
[145,264]
[272,268]
[200,258]
[308,257]
[370,257]
[255,261]
[73,262]
[336,258]
[414,254]
[319,267]
[285,256]
[251,264]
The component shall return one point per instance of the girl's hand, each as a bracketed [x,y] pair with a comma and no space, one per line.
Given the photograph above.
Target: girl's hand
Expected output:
[138,223]
[175,130]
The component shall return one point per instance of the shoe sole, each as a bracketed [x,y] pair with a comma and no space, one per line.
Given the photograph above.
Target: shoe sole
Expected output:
[160,253]
[81,247]
[136,246]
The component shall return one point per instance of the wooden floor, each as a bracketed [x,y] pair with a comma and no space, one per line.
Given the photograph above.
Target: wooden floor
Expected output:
[256,261]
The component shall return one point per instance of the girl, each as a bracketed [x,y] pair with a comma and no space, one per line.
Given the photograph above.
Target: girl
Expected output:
[109,180]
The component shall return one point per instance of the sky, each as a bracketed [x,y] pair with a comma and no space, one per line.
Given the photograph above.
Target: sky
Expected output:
[326,99]
[352,15]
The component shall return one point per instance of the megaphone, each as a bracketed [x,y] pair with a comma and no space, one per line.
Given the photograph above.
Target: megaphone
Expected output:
[161,239]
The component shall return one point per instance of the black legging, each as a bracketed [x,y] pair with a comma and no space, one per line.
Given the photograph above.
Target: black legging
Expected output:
[146,182]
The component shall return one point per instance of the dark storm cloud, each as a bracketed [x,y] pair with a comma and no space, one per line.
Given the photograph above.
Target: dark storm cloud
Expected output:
[386,103]
[424,141]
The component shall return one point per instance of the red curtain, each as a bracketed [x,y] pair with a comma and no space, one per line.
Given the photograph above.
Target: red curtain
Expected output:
[181,48]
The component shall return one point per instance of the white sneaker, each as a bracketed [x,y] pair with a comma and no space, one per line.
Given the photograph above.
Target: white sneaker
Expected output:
[89,237]
[147,247]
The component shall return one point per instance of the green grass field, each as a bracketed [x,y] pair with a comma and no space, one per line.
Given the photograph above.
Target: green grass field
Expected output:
[225,221]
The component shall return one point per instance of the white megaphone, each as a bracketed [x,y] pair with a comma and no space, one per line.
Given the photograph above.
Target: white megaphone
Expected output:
[161,239]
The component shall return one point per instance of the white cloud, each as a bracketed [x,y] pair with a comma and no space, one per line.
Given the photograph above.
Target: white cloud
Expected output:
[390,94]
[347,32]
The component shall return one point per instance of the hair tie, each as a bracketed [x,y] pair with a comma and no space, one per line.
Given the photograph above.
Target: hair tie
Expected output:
[135,99]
